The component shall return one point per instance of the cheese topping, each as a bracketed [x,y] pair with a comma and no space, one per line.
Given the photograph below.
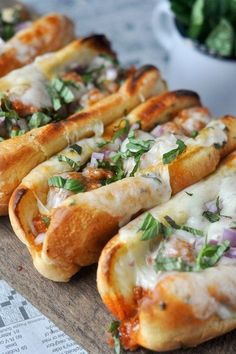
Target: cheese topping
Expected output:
[186,208]
[29,87]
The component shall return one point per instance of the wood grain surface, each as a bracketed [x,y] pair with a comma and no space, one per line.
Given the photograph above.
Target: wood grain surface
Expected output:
[75,307]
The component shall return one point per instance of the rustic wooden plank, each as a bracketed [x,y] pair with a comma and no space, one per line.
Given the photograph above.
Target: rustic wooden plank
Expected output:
[76,307]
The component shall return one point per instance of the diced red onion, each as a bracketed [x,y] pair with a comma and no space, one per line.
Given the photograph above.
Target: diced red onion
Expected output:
[135,126]
[22,124]
[39,239]
[106,153]
[230,235]
[198,243]
[231,253]
[96,156]
[111,74]
[22,25]
[158,131]
[213,242]
[211,206]
[2,120]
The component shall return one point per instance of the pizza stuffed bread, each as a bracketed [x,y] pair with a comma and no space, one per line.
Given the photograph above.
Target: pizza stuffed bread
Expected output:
[83,77]
[47,34]
[67,208]
[169,275]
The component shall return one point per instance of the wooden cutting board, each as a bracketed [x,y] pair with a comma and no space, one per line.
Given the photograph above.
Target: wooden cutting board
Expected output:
[75,307]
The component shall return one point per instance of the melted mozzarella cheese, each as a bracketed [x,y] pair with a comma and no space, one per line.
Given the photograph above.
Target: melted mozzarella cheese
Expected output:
[23,51]
[191,287]
[28,85]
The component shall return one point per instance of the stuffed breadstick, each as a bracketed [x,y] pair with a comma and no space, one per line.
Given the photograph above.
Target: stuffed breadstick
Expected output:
[47,34]
[46,189]
[57,85]
[19,155]
[169,275]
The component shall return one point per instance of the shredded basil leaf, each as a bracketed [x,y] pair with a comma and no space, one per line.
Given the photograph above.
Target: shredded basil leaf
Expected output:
[60,92]
[46,220]
[71,184]
[171,264]
[213,216]
[18,132]
[233,225]
[194,134]
[123,131]
[169,156]
[190,194]
[186,228]
[38,119]
[210,254]
[114,330]
[151,228]
[76,148]
[74,165]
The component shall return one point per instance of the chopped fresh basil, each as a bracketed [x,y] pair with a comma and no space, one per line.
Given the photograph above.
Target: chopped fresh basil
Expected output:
[210,254]
[38,119]
[213,216]
[71,184]
[233,225]
[60,92]
[171,264]
[74,165]
[194,133]
[15,133]
[190,194]
[135,148]
[151,228]
[123,131]
[114,330]
[46,220]
[118,172]
[186,228]
[169,156]
[76,148]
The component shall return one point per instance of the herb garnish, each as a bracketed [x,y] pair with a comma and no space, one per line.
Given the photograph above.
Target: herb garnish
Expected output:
[76,148]
[134,148]
[38,119]
[46,220]
[114,330]
[60,92]
[151,228]
[186,228]
[74,165]
[171,264]
[233,225]
[169,156]
[71,184]
[194,133]
[215,216]
[190,194]
[210,254]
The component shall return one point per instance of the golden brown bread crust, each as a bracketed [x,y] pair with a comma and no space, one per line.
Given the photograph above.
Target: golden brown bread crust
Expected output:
[198,162]
[163,108]
[76,51]
[88,212]
[153,319]
[48,140]
[47,34]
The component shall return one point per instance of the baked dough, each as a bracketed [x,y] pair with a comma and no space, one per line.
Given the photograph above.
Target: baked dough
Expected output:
[167,310]
[98,213]
[47,34]
[19,155]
